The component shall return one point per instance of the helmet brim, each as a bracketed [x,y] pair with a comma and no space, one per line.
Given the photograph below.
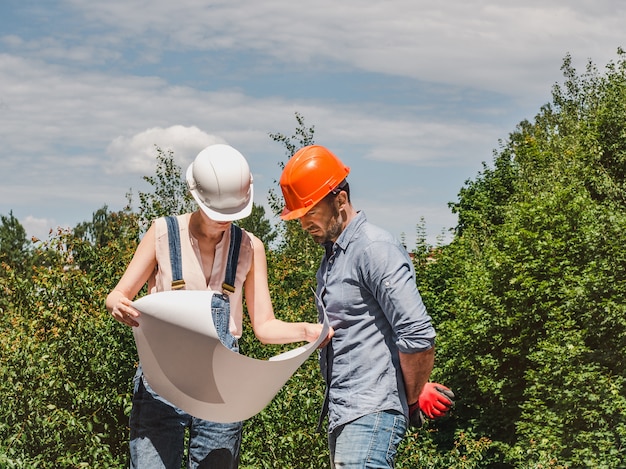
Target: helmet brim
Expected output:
[233,214]
[287,214]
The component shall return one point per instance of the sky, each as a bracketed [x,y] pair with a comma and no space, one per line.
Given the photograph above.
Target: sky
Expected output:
[412,95]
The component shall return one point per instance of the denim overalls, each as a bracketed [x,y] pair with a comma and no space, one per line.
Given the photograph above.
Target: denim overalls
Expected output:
[157,427]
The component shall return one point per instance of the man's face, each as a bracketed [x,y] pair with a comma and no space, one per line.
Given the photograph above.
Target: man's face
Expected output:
[323,222]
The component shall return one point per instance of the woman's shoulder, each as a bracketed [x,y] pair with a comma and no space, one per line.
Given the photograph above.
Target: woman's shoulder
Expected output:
[250,239]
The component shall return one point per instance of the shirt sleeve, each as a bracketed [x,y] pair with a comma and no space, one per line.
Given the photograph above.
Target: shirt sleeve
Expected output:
[390,276]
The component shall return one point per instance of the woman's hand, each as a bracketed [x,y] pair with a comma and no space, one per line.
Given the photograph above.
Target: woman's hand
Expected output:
[313,331]
[123,312]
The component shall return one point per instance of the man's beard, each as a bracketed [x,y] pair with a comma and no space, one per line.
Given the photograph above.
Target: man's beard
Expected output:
[333,230]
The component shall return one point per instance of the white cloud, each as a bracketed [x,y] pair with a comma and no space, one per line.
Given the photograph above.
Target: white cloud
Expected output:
[491,45]
[38,228]
[137,153]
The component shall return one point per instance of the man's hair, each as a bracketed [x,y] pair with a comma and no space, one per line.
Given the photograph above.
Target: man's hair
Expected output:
[343,186]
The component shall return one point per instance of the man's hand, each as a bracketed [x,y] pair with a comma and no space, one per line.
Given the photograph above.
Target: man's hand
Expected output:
[416,417]
[435,400]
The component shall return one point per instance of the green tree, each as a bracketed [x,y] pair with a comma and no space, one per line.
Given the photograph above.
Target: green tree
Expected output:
[14,246]
[98,230]
[169,194]
[531,290]
[107,230]
[66,366]
[294,243]
[259,225]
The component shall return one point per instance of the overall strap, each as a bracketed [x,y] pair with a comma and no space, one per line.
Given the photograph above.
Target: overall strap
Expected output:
[173,238]
[233,258]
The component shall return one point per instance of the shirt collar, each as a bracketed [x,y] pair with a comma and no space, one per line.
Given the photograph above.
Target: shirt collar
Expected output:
[350,231]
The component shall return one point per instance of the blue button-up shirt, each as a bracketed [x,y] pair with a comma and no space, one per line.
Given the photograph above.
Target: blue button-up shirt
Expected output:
[366,282]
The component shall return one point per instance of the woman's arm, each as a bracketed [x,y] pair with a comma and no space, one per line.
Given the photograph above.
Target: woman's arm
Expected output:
[118,302]
[267,328]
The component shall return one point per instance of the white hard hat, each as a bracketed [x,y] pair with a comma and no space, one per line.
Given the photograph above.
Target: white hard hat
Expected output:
[220,181]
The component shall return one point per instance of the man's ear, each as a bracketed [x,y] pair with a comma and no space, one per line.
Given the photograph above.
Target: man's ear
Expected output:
[341,199]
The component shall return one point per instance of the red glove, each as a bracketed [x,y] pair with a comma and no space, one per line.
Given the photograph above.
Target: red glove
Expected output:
[435,400]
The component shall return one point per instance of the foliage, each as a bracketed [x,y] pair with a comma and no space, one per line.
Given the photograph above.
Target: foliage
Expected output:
[258,224]
[532,297]
[296,247]
[14,247]
[284,433]
[66,367]
[169,195]
[109,234]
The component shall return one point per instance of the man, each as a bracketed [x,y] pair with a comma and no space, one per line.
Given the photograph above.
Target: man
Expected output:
[379,361]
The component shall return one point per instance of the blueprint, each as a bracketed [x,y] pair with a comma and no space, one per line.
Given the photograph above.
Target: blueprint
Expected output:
[184,361]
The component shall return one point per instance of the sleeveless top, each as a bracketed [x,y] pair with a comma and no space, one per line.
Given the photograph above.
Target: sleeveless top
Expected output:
[195,278]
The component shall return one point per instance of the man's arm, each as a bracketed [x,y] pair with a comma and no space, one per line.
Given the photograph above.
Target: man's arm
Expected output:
[416,369]
[432,400]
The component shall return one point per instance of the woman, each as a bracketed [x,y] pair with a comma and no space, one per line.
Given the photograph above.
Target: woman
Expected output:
[220,181]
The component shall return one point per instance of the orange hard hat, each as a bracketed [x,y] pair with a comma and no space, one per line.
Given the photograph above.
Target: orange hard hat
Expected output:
[311,174]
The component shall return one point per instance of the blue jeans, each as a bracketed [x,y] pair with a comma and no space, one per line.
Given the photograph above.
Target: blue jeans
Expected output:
[369,442]
[157,427]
